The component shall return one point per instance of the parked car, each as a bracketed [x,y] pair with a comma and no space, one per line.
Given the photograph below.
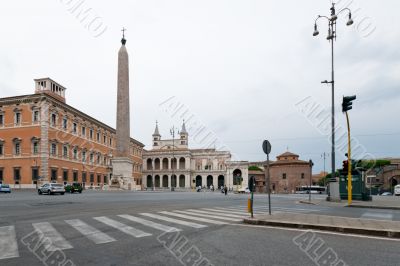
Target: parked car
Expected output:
[74,187]
[244,190]
[386,194]
[5,188]
[51,188]
[397,190]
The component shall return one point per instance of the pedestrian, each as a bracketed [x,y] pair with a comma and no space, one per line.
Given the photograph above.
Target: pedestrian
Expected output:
[226,190]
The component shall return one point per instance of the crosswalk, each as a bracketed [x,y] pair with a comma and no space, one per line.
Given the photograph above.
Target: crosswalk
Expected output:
[137,225]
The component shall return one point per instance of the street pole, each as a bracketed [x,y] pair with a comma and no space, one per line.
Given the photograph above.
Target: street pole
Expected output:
[331,38]
[349,181]
[311,165]
[269,186]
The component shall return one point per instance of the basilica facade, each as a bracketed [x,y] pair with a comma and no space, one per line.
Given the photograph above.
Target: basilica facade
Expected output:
[171,164]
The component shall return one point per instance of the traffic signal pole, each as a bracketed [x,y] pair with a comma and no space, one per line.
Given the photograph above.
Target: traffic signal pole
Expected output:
[349,177]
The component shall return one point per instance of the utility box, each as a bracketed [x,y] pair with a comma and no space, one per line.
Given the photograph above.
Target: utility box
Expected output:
[359,191]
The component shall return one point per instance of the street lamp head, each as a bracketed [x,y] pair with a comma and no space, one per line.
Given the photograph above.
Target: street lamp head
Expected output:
[316,32]
[350,21]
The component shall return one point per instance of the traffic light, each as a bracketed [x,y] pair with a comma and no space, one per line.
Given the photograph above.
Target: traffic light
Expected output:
[347,103]
[345,166]
[252,184]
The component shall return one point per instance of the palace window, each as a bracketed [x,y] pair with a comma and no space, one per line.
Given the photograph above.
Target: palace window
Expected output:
[35,117]
[53,120]
[104,139]
[110,141]
[83,177]
[17,174]
[17,148]
[91,177]
[74,128]
[65,152]
[35,147]
[1,120]
[65,123]
[84,156]
[98,136]
[75,154]
[65,175]
[98,158]
[98,179]
[1,148]
[53,150]
[17,118]
[302,175]
[53,175]
[35,173]
[91,133]
[91,157]
[75,176]
[284,176]
[1,175]
[84,131]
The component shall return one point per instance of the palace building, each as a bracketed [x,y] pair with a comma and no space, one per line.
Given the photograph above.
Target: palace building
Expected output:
[43,139]
[171,164]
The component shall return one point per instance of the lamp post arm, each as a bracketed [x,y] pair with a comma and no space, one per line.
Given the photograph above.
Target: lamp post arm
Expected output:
[344,10]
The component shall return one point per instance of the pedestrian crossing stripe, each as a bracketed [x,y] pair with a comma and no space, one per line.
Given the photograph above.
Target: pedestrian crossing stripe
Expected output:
[184,216]
[8,243]
[90,232]
[210,215]
[218,212]
[129,230]
[149,223]
[56,240]
[173,220]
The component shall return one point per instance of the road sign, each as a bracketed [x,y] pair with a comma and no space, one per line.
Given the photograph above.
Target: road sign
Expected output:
[266,147]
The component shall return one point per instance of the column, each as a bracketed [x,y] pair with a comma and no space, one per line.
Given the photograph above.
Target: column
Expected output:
[169,181]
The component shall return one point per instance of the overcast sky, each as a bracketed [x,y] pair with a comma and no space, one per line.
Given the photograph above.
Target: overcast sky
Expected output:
[239,68]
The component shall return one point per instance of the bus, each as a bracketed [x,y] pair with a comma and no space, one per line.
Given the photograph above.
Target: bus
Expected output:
[397,190]
[314,190]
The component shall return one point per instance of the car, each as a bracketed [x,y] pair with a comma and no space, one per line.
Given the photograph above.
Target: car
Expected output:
[5,188]
[74,187]
[51,188]
[244,190]
[397,190]
[386,194]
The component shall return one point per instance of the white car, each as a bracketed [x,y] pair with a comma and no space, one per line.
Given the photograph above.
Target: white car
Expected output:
[397,190]
[51,188]
[244,190]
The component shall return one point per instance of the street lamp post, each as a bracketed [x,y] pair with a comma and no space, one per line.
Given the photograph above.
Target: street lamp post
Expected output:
[309,191]
[172,131]
[332,20]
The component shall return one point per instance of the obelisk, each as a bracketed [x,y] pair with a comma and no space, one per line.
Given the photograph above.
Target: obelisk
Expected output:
[122,162]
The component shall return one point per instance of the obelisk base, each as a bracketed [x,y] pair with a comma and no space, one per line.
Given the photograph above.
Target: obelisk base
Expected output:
[122,174]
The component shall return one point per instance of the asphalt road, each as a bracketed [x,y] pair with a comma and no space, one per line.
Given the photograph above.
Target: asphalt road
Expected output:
[127,228]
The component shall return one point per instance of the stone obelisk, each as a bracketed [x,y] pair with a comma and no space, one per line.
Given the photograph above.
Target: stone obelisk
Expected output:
[122,162]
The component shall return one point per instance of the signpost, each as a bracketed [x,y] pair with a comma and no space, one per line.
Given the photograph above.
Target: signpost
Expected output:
[267,150]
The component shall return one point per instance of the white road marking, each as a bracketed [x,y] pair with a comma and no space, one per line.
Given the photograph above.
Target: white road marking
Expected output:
[8,243]
[224,213]
[152,224]
[377,216]
[211,216]
[204,220]
[172,220]
[225,210]
[129,230]
[217,212]
[57,241]
[90,232]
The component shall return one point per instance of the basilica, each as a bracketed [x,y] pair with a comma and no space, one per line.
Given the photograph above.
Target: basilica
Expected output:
[171,164]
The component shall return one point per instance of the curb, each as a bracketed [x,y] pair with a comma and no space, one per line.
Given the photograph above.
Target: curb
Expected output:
[330,228]
[373,207]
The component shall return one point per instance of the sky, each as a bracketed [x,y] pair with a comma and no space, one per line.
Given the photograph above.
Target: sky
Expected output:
[238,71]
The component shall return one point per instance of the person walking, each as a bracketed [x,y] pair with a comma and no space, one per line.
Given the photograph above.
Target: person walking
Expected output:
[226,190]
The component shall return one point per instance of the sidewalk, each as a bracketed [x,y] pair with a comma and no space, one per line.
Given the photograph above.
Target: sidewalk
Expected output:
[329,223]
[378,202]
